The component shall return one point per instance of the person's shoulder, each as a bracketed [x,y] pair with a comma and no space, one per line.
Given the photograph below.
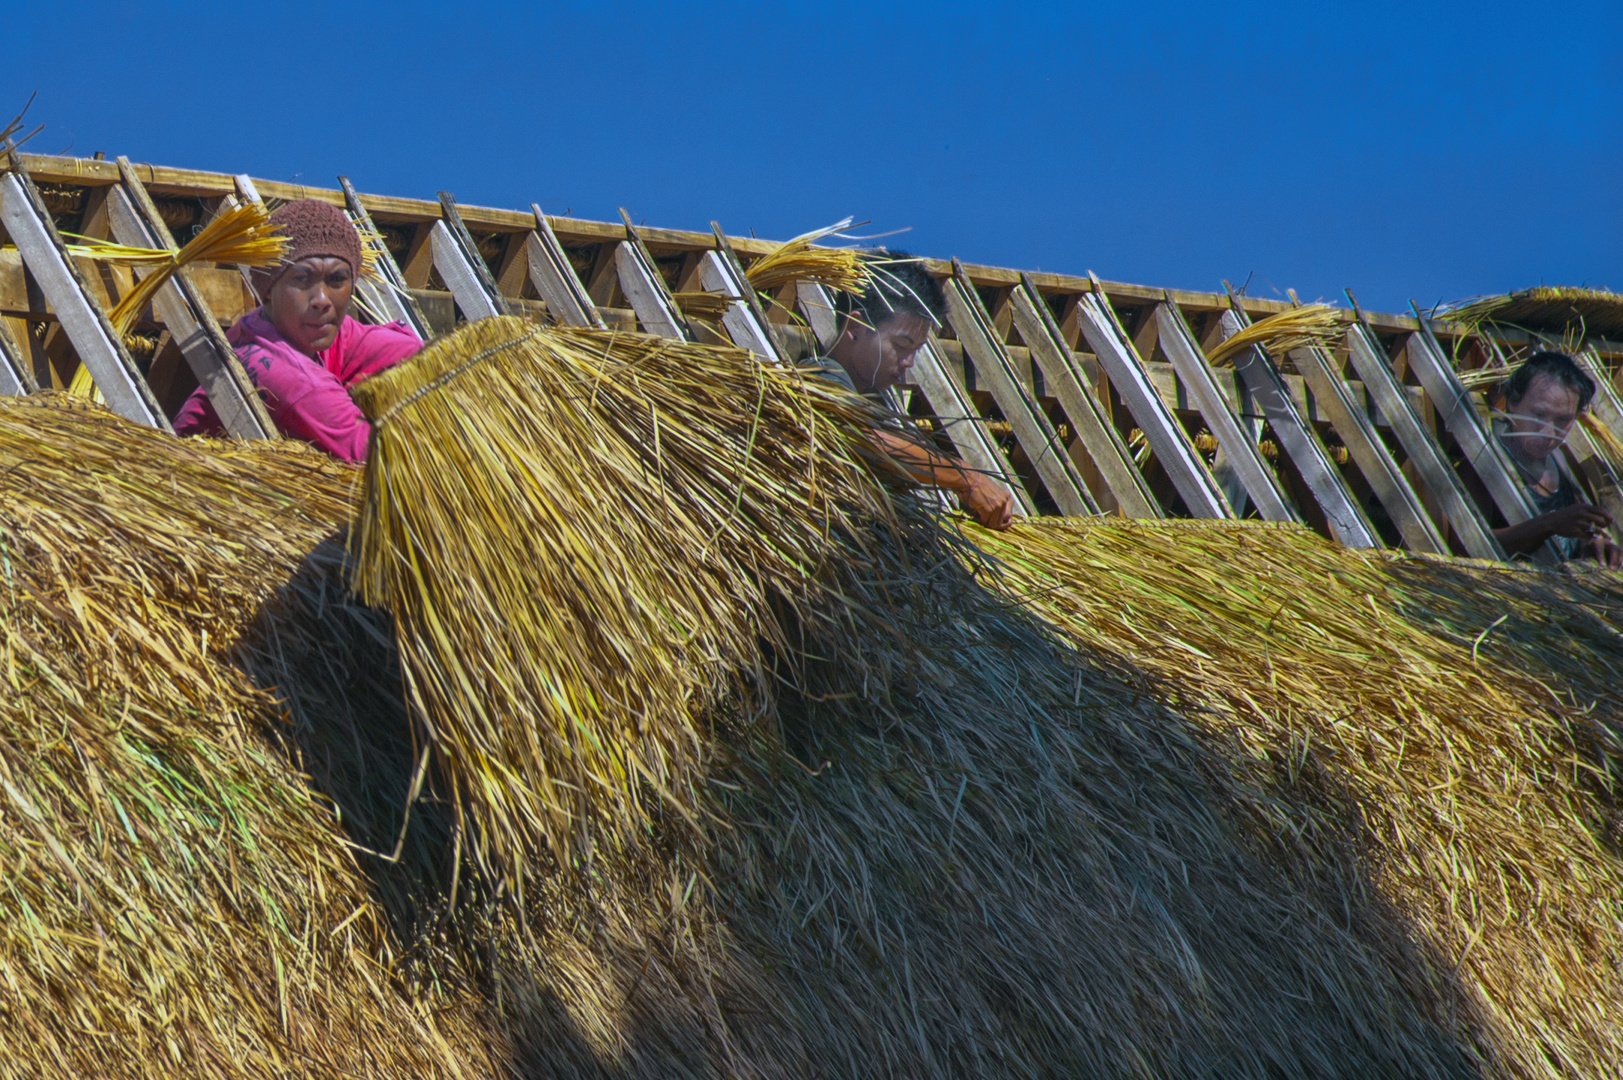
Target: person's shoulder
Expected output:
[827,370]
[354,334]
[363,349]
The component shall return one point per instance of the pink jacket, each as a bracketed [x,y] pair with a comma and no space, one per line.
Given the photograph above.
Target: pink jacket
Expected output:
[307,399]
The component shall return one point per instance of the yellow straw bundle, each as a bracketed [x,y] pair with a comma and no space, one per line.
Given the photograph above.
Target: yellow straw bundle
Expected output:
[240,235]
[800,260]
[1308,326]
[565,524]
[706,306]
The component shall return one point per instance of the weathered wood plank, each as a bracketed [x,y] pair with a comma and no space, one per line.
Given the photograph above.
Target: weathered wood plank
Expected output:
[1457,409]
[459,259]
[1398,410]
[1345,517]
[640,283]
[964,425]
[734,267]
[16,373]
[390,295]
[1238,446]
[1031,427]
[99,347]
[555,279]
[135,221]
[1370,454]
[740,321]
[452,263]
[1166,436]
[1064,376]
[816,303]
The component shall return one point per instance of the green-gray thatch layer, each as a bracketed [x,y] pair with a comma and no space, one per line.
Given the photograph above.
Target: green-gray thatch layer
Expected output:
[1177,801]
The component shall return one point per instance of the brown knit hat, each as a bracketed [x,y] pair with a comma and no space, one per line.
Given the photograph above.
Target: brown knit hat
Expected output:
[316,228]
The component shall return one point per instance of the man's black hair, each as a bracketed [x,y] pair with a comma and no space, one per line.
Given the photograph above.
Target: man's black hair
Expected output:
[900,284]
[1555,365]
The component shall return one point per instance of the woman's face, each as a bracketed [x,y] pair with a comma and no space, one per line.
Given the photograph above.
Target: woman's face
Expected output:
[309,301]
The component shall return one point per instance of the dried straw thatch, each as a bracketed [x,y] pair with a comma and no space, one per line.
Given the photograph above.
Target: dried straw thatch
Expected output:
[942,841]
[846,797]
[1310,326]
[1450,730]
[177,901]
[801,259]
[1563,310]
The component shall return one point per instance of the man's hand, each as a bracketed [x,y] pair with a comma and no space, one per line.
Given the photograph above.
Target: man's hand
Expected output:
[1608,554]
[989,501]
[1580,521]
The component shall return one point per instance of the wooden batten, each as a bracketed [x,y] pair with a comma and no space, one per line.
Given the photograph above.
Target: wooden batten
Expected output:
[1013,355]
[98,345]
[1030,425]
[1237,445]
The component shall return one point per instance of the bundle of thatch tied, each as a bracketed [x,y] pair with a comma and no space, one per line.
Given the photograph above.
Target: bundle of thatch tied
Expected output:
[683,741]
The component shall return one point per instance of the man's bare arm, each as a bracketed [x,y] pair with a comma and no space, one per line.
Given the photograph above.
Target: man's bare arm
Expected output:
[989,501]
[1580,520]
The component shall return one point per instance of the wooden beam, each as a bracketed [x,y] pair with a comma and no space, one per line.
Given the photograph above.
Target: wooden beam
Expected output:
[1345,516]
[1239,446]
[1169,442]
[1370,454]
[135,221]
[718,276]
[1605,406]
[99,346]
[16,372]
[390,295]
[655,306]
[1064,377]
[640,282]
[735,268]
[1399,412]
[964,425]
[1031,427]
[515,266]
[555,279]
[816,303]
[576,231]
[457,258]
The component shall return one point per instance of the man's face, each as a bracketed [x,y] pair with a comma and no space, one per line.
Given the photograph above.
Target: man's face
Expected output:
[878,357]
[1539,422]
[309,301]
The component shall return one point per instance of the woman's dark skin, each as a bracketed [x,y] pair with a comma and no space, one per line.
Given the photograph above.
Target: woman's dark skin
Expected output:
[308,302]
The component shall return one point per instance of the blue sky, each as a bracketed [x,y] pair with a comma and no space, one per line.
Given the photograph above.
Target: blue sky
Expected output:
[1419,150]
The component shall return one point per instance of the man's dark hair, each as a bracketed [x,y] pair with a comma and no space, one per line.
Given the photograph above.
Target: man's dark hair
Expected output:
[1555,365]
[900,284]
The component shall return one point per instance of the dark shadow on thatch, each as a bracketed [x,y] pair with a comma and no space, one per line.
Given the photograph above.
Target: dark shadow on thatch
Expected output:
[983,833]
[334,666]
[977,789]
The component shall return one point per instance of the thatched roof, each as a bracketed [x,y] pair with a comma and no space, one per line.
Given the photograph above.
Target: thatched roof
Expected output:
[1550,309]
[1123,800]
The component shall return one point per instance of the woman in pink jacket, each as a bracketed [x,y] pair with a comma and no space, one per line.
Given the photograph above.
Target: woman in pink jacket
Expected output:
[301,348]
